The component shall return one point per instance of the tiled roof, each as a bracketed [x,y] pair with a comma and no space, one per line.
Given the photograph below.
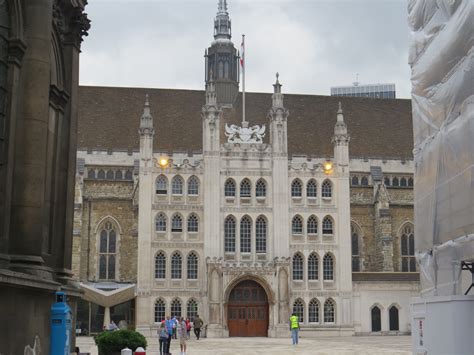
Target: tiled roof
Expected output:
[109,119]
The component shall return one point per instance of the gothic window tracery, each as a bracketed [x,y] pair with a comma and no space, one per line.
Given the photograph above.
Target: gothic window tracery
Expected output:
[260,188]
[403,182]
[313,269]
[393,318]
[229,188]
[410,182]
[386,181]
[193,223]
[160,222]
[407,241]
[297,267]
[364,181]
[107,252]
[313,311]
[176,308]
[296,188]
[159,310]
[176,266]
[298,309]
[229,234]
[312,225]
[355,247]
[192,266]
[355,181]
[328,226]
[160,265]
[128,175]
[245,234]
[192,309]
[101,175]
[395,181]
[110,175]
[329,311]
[161,185]
[177,185]
[118,175]
[193,186]
[326,189]
[261,235]
[297,225]
[91,174]
[176,223]
[245,188]
[311,189]
[328,267]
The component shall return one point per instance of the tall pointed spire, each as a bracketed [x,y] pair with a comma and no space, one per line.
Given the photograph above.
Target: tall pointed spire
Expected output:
[222,24]
[277,96]
[146,121]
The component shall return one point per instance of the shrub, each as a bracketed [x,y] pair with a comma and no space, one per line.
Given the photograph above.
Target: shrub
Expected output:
[113,342]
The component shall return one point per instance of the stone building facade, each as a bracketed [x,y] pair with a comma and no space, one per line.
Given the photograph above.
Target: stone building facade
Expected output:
[306,208]
[39,57]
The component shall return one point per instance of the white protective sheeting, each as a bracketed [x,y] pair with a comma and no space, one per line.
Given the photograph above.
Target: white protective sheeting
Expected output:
[442,60]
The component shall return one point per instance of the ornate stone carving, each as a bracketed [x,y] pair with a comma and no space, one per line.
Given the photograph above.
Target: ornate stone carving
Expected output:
[70,21]
[236,134]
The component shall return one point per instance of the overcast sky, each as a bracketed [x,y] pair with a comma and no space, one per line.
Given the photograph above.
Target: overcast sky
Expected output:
[314,44]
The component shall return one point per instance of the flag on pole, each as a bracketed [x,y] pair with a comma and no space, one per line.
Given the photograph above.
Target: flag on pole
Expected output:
[242,51]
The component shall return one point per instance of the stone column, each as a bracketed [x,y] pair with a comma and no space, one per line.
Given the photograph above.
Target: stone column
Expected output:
[29,176]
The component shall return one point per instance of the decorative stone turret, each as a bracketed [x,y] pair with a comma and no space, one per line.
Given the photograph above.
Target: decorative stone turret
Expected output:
[146,132]
[341,139]
[278,125]
[211,115]
[222,59]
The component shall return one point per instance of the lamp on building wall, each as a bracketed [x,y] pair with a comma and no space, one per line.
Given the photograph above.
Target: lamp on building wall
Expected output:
[327,166]
[163,161]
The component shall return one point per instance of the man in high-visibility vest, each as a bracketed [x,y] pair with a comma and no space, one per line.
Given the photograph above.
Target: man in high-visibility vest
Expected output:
[294,327]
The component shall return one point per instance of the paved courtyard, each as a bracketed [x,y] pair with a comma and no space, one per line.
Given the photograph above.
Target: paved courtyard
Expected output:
[249,346]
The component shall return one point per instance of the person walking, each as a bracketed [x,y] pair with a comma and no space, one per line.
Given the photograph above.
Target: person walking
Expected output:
[182,334]
[294,328]
[169,328]
[188,327]
[197,323]
[162,338]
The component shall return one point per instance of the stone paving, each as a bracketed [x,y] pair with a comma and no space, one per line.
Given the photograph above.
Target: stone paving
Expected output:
[371,345]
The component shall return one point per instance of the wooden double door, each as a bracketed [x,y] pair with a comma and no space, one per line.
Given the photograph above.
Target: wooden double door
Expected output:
[247,310]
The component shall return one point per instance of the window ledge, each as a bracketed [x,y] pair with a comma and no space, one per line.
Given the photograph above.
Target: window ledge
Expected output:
[327,198]
[230,198]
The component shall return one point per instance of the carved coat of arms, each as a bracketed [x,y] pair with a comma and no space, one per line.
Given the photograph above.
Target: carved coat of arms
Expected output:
[236,134]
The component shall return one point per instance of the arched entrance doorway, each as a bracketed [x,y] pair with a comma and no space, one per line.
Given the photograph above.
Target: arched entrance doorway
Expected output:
[247,310]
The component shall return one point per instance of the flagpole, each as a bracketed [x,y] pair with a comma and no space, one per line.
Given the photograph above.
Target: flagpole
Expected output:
[244,123]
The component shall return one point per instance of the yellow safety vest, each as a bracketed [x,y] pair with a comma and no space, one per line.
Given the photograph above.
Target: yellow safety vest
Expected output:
[294,322]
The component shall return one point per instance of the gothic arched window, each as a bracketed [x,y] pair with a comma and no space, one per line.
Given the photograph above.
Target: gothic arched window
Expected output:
[298,309]
[410,182]
[193,186]
[91,174]
[229,234]
[128,175]
[193,223]
[177,185]
[393,318]
[260,188]
[364,181]
[261,235]
[160,222]
[161,185]
[328,267]
[376,319]
[312,225]
[311,189]
[407,241]
[313,269]
[298,267]
[110,175]
[327,225]
[245,188]
[395,182]
[297,225]
[176,308]
[191,309]
[326,189]
[176,223]
[176,263]
[296,188]
[313,311]
[118,175]
[355,247]
[329,311]
[101,174]
[355,181]
[107,252]
[245,235]
[192,266]
[229,188]
[386,181]
[160,265]
[403,182]
[159,310]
